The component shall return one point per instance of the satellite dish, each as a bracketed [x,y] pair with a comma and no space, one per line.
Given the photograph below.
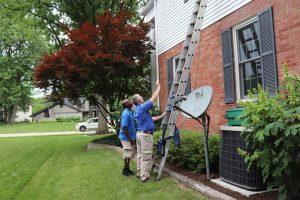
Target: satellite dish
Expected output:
[197,102]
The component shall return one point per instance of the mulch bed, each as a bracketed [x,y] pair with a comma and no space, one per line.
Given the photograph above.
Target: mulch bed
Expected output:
[202,179]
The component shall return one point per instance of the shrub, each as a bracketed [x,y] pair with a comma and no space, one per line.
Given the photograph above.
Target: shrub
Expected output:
[275,136]
[190,154]
[68,119]
[46,121]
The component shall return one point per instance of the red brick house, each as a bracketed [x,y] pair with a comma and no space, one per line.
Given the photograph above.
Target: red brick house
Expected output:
[243,43]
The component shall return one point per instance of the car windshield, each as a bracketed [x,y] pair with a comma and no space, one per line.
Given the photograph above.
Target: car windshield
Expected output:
[93,120]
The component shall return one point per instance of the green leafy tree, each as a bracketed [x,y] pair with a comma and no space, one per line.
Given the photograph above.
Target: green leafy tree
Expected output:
[21,45]
[55,15]
[39,104]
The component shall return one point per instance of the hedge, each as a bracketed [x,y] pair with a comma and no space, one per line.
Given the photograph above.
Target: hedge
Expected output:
[68,119]
[190,154]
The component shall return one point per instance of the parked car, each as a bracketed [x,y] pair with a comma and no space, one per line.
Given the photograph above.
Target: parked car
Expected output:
[91,123]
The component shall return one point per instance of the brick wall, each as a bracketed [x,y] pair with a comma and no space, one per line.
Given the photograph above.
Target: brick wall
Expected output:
[207,67]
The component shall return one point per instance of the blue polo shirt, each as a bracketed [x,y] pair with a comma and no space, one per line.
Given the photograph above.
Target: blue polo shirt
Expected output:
[143,117]
[127,121]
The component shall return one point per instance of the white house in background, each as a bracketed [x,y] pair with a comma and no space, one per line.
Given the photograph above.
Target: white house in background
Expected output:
[66,110]
[21,116]
[24,116]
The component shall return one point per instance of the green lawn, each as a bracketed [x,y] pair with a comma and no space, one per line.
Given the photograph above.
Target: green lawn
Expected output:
[37,127]
[60,167]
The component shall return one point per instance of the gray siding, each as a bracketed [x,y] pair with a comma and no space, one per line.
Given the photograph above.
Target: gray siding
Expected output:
[78,114]
[63,109]
[57,111]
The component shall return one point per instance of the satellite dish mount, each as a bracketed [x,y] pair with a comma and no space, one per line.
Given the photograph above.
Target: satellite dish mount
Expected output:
[195,106]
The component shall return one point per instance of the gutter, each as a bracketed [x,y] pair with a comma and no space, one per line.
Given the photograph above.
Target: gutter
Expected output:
[156,48]
[147,8]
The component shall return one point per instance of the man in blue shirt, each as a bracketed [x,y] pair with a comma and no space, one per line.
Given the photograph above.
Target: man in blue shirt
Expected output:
[146,127]
[127,136]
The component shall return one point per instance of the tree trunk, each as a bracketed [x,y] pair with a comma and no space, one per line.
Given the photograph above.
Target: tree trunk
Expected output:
[102,123]
[11,114]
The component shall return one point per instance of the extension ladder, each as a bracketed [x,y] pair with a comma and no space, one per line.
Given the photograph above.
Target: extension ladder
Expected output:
[182,75]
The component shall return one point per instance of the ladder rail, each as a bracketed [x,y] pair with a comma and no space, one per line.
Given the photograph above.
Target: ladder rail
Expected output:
[182,74]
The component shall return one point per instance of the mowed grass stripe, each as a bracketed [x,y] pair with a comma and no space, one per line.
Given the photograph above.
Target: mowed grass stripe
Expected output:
[37,127]
[62,169]
[22,153]
[18,170]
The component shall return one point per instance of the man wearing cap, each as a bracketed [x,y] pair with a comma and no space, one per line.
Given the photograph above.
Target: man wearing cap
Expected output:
[127,136]
[145,126]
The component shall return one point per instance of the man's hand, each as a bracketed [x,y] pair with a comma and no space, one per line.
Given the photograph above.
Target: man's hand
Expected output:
[157,83]
[156,92]
[156,118]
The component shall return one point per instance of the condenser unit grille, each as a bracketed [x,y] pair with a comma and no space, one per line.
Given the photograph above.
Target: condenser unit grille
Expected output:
[232,166]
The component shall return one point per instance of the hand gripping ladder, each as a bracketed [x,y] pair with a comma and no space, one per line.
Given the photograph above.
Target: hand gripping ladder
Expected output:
[182,75]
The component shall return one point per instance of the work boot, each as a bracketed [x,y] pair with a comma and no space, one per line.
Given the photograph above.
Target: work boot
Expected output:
[125,172]
[130,172]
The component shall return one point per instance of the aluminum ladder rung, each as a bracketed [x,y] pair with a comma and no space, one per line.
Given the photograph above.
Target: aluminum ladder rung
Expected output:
[179,71]
[193,22]
[195,12]
[176,83]
[190,34]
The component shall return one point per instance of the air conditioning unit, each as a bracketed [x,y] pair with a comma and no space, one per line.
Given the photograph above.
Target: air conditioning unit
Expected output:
[233,168]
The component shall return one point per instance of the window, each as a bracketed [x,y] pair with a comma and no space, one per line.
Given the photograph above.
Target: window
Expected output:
[172,66]
[247,60]
[175,64]
[93,121]
[252,60]
[47,113]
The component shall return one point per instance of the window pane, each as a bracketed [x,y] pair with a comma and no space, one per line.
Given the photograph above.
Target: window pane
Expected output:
[176,62]
[251,76]
[259,80]
[258,67]
[246,87]
[248,42]
[253,83]
[175,65]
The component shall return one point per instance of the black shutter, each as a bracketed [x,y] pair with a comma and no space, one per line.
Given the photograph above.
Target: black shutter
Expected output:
[170,73]
[229,92]
[267,46]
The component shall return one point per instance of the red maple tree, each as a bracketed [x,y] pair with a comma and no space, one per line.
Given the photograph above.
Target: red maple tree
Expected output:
[106,60]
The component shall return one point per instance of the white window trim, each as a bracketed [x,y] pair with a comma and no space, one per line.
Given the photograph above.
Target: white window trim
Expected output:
[236,57]
[174,67]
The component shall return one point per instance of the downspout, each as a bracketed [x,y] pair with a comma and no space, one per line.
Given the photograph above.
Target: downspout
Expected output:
[156,48]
